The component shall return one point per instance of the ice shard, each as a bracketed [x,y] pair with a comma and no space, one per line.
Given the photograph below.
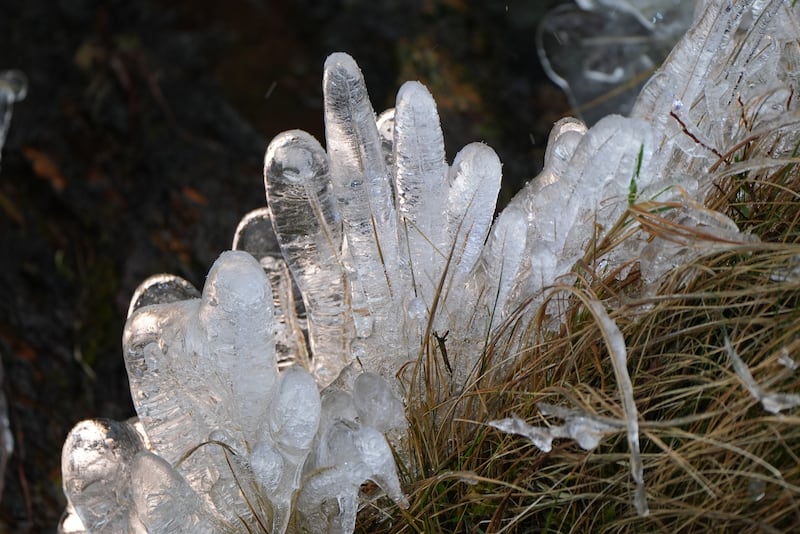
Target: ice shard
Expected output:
[619,356]
[13,88]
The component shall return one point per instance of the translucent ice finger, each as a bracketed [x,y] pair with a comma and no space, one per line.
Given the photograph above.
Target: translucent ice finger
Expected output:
[421,184]
[255,235]
[95,465]
[475,182]
[306,221]
[362,186]
[234,338]
[162,289]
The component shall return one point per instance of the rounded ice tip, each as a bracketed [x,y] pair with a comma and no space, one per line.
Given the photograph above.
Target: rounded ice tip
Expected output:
[340,60]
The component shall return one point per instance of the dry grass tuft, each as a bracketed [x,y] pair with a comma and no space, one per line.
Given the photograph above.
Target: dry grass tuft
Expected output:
[714,458]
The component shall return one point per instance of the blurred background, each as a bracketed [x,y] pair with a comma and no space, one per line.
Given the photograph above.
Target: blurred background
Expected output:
[139,147]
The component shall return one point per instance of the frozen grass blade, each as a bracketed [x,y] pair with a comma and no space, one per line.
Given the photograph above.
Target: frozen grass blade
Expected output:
[619,357]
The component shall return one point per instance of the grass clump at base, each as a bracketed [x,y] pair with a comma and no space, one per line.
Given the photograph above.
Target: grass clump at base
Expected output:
[714,458]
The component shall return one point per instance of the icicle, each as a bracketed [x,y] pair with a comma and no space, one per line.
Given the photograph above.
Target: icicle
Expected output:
[362,186]
[421,184]
[474,184]
[306,221]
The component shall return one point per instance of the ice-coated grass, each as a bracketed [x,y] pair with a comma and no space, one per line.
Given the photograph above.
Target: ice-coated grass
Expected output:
[713,457]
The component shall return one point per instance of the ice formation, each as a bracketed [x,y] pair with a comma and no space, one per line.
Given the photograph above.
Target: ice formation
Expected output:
[224,440]
[588,429]
[244,426]
[772,401]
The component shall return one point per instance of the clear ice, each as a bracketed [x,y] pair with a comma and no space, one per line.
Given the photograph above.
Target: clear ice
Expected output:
[260,412]
[223,435]
[586,429]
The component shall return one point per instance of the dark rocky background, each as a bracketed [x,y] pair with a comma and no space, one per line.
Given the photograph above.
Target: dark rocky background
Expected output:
[139,147]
